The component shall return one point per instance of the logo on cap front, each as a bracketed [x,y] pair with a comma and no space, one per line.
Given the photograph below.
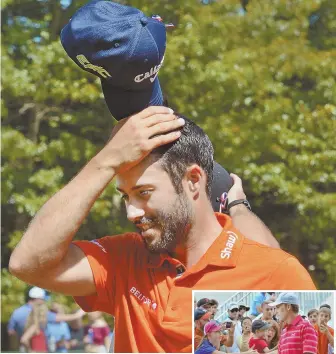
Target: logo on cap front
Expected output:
[87,65]
[149,74]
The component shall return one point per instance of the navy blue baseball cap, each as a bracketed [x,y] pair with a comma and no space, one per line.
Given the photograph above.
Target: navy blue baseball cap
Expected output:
[124,48]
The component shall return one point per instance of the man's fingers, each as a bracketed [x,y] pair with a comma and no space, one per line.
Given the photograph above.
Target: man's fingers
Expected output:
[164,139]
[158,118]
[165,127]
[236,180]
[150,111]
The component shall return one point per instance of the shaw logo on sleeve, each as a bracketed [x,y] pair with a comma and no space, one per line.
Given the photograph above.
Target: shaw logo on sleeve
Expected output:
[142,298]
[226,252]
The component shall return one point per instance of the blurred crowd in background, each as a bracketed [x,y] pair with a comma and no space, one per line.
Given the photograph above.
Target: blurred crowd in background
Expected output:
[41,325]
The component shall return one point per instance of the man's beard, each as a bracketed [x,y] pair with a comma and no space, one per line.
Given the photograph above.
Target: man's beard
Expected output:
[174,225]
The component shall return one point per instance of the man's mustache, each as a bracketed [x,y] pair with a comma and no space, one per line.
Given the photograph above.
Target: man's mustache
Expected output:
[144,223]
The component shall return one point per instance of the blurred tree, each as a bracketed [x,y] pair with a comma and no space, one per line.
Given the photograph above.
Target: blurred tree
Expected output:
[261,82]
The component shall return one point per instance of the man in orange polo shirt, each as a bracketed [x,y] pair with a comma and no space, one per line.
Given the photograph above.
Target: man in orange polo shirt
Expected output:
[145,279]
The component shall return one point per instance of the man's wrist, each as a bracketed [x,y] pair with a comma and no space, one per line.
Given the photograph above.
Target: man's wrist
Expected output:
[238,209]
[98,162]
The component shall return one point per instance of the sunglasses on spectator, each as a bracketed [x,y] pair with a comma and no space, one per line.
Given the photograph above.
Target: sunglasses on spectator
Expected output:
[234,310]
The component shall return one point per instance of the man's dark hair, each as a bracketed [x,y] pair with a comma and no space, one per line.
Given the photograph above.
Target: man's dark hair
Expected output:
[192,147]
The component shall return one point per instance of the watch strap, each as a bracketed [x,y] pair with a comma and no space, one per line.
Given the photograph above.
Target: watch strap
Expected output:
[240,201]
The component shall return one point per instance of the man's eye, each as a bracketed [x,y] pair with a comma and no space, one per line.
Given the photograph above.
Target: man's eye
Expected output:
[145,192]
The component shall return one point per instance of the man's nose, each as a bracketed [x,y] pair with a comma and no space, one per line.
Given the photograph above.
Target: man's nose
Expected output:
[134,212]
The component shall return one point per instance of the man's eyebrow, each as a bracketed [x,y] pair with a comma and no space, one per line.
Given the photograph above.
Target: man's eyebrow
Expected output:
[135,187]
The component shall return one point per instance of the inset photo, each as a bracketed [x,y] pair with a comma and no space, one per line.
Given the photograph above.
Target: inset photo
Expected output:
[298,322]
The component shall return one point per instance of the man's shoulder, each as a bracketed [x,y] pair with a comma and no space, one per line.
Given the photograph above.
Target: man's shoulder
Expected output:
[131,237]
[267,253]
[21,310]
[112,241]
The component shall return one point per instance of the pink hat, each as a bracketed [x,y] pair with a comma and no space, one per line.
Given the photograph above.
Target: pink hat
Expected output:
[212,326]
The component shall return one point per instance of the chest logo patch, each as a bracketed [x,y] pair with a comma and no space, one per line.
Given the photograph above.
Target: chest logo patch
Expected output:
[142,298]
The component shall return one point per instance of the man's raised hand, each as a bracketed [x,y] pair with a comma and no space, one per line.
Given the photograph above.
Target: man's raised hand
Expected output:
[135,137]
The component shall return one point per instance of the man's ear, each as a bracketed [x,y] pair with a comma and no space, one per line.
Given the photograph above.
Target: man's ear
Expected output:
[195,179]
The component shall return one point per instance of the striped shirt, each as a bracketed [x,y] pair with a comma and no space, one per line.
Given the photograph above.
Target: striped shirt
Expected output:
[297,338]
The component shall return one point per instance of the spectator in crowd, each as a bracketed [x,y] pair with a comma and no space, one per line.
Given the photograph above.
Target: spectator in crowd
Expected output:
[212,340]
[243,340]
[273,335]
[19,317]
[77,335]
[205,303]
[242,310]
[227,338]
[325,333]
[298,335]
[233,312]
[214,308]
[58,333]
[312,316]
[33,338]
[201,318]
[257,341]
[257,302]
[267,311]
[97,336]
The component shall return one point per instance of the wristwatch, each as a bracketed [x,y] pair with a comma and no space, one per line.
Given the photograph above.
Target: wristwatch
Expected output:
[240,201]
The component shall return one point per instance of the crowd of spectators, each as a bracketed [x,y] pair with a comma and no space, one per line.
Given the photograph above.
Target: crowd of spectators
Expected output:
[43,326]
[272,324]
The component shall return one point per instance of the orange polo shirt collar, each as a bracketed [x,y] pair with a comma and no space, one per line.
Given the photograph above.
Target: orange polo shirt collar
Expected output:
[224,251]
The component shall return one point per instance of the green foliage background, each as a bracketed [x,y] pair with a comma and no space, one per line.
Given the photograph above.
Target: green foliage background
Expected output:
[262,85]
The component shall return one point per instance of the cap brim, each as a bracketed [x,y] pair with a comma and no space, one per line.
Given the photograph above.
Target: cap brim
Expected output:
[246,308]
[268,326]
[123,103]
[222,182]
[216,329]
[273,304]
[206,316]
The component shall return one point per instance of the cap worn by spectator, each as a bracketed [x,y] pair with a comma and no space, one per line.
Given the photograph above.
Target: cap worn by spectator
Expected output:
[124,48]
[242,306]
[37,293]
[233,306]
[201,313]
[286,298]
[203,302]
[212,326]
[260,325]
